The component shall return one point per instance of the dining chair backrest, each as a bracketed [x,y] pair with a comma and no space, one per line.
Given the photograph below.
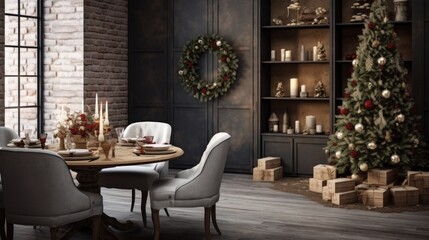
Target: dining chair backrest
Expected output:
[206,179]
[6,134]
[38,188]
[160,131]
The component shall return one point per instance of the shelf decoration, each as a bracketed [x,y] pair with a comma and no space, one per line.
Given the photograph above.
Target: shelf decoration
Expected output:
[294,87]
[273,123]
[188,66]
[400,9]
[294,11]
[280,92]
[378,126]
[321,52]
[360,8]
[320,90]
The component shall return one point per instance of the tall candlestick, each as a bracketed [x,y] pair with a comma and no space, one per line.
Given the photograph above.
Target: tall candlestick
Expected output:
[303,88]
[273,55]
[96,106]
[302,54]
[294,87]
[106,117]
[101,130]
[282,55]
[297,126]
[315,53]
[288,55]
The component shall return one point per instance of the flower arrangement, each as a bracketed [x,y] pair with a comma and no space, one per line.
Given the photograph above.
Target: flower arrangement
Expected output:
[76,124]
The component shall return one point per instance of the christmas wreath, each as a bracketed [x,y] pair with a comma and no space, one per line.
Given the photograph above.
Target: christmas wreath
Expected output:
[188,66]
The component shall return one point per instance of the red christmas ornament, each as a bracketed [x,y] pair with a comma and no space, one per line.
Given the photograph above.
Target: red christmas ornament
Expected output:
[349,126]
[347,95]
[354,83]
[368,104]
[391,46]
[334,144]
[344,111]
[354,153]
[371,25]
[204,91]
[353,56]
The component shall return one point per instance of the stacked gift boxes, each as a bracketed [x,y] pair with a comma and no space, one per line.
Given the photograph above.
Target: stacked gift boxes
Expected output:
[341,190]
[420,180]
[404,196]
[268,169]
[321,173]
[375,196]
[375,192]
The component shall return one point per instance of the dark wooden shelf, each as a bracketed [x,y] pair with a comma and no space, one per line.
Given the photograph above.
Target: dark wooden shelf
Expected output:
[307,26]
[360,24]
[350,61]
[323,135]
[295,62]
[296,98]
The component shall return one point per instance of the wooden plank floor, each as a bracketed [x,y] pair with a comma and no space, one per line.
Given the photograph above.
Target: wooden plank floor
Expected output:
[249,210]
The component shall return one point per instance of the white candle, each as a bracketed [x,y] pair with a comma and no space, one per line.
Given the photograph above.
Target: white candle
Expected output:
[101,130]
[302,88]
[284,129]
[106,117]
[288,55]
[302,53]
[290,131]
[285,119]
[319,128]
[310,122]
[282,53]
[315,53]
[96,106]
[273,55]
[275,128]
[297,126]
[83,109]
[294,87]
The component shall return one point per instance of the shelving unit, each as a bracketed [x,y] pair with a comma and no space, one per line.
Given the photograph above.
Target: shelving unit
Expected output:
[300,152]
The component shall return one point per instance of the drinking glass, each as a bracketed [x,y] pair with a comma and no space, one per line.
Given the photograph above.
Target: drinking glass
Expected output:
[119,133]
[28,133]
[69,142]
[43,137]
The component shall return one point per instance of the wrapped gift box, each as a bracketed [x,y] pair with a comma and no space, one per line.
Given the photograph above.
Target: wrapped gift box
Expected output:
[343,198]
[418,179]
[382,176]
[316,185]
[340,185]
[378,197]
[326,195]
[405,196]
[268,174]
[324,172]
[268,162]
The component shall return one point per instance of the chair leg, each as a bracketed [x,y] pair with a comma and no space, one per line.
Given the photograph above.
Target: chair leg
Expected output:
[96,224]
[207,222]
[133,198]
[143,207]
[156,225]
[9,231]
[166,212]
[213,211]
[54,233]
[2,224]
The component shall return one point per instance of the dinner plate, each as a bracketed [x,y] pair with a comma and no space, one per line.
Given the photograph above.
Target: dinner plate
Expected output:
[13,145]
[75,153]
[156,147]
[18,140]
[81,158]
[168,151]
[129,140]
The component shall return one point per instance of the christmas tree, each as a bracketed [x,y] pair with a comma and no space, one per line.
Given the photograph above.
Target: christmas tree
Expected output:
[376,126]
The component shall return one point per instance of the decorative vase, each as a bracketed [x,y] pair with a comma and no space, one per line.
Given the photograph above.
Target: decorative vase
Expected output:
[106,148]
[79,141]
[62,145]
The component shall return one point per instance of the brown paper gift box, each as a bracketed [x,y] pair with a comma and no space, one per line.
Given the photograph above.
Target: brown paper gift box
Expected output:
[326,195]
[405,196]
[340,185]
[344,197]
[382,176]
[378,197]
[324,172]
[268,162]
[267,175]
[418,179]
[316,185]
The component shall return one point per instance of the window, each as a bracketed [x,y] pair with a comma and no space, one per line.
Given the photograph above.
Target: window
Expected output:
[23,64]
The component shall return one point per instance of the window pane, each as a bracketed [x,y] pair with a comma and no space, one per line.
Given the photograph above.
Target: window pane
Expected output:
[29,7]
[11,118]
[28,119]
[11,30]
[28,32]
[11,91]
[28,61]
[28,91]
[11,6]
[11,61]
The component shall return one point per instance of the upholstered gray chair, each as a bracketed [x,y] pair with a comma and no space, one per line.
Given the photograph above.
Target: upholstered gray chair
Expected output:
[6,135]
[199,188]
[139,177]
[38,189]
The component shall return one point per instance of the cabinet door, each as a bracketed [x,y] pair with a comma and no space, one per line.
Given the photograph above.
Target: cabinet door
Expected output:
[308,153]
[276,146]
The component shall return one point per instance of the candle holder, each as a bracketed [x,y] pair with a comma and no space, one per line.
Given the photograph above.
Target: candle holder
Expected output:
[106,149]
[303,94]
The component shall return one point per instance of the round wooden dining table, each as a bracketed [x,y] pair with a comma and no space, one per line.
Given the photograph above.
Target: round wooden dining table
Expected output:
[88,173]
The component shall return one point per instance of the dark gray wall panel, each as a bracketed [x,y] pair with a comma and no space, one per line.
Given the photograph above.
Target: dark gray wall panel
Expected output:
[190,20]
[148,114]
[275,146]
[238,123]
[236,22]
[190,133]
[308,153]
[149,71]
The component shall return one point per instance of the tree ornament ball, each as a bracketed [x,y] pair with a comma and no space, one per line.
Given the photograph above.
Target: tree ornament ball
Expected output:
[218,43]
[372,145]
[416,141]
[340,135]
[181,72]
[355,176]
[338,154]
[368,104]
[395,159]
[351,146]
[400,118]
[369,85]
[381,61]
[355,62]
[326,151]
[385,93]
[359,127]
[363,167]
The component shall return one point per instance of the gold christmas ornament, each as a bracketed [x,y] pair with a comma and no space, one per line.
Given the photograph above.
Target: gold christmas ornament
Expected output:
[338,154]
[400,118]
[363,167]
[355,176]
[359,127]
[395,159]
[340,135]
[372,145]
[351,146]
[375,43]
[355,62]
[385,93]
[381,61]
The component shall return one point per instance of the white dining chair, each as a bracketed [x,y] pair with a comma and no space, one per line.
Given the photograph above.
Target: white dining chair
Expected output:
[199,188]
[139,177]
